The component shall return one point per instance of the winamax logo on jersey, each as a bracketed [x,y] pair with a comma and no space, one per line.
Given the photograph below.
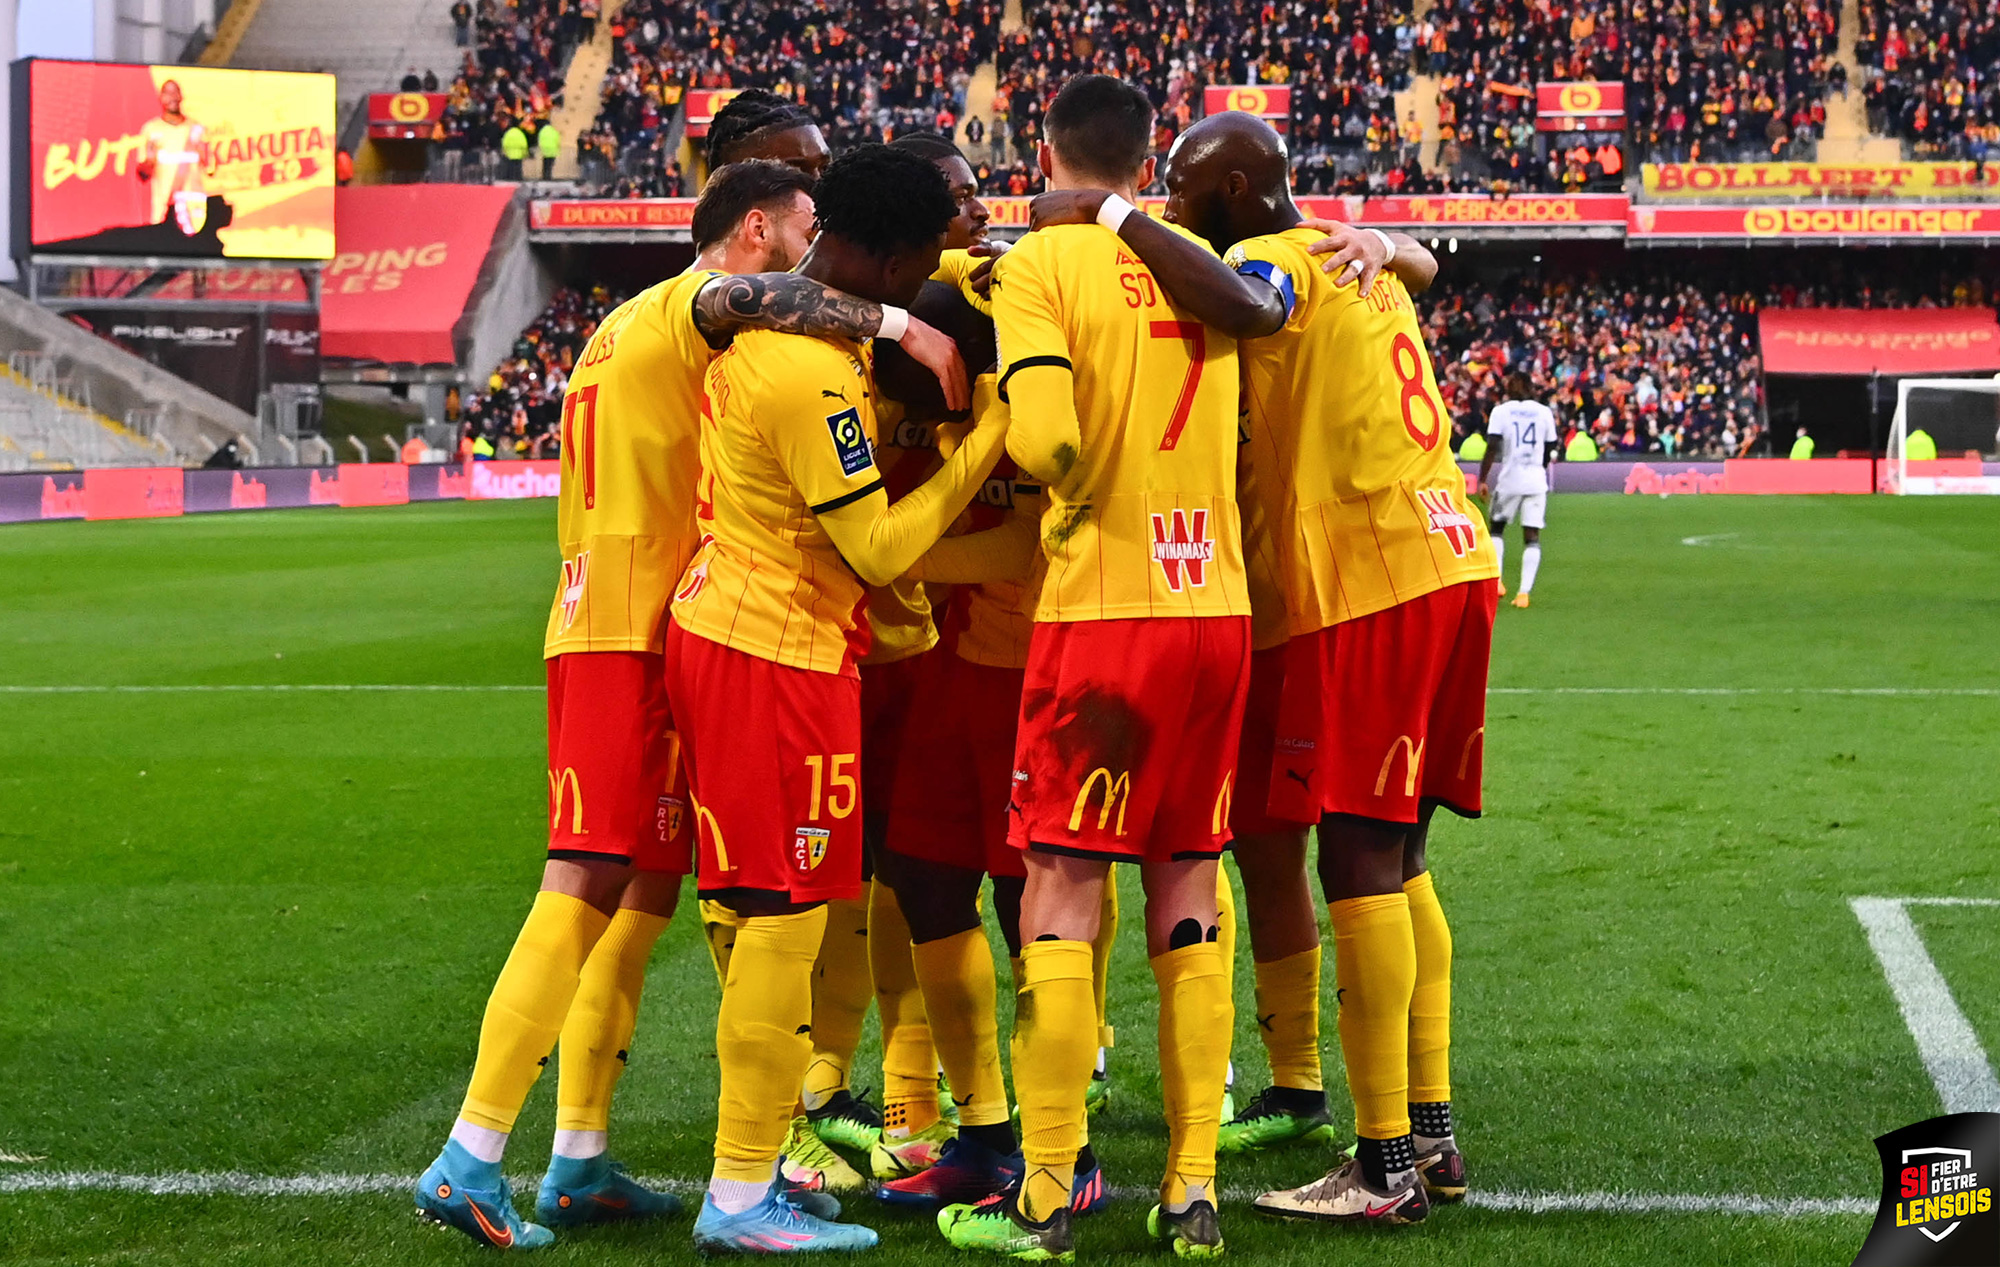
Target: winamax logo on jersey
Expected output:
[1937,1195]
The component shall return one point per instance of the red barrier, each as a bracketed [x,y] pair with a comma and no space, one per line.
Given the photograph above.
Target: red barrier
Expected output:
[132,492]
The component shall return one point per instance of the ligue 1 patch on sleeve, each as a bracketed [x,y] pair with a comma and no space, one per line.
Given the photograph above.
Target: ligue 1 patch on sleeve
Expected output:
[850,441]
[1937,1195]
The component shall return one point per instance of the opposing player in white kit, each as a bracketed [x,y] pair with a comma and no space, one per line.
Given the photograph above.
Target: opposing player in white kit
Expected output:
[1521,434]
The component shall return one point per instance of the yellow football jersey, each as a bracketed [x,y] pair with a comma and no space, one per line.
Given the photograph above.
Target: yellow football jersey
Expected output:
[994,619]
[787,432]
[899,613]
[1351,445]
[1141,518]
[630,456]
[955,268]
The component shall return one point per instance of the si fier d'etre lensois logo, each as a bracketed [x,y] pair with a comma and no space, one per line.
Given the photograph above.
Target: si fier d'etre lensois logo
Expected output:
[1937,1195]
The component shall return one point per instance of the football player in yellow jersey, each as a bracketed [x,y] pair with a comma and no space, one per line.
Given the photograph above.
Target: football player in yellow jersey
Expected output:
[618,833]
[765,632]
[1124,406]
[1388,582]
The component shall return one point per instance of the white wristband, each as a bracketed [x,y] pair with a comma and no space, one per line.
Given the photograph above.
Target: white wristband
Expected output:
[1388,244]
[1112,214]
[895,323]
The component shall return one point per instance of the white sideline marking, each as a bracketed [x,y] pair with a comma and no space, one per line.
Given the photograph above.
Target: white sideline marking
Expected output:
[198,688]
[1945,1040]
[189,1183]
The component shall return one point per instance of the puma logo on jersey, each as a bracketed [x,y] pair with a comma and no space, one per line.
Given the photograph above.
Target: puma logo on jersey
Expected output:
[1449,521]
[573,573]
[830,394]
[1183,548]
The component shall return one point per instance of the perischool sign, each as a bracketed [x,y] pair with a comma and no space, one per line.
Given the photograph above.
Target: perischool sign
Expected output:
[174,161]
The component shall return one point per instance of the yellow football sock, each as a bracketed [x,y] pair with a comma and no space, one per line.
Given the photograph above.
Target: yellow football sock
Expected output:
[961,995]
[1100,959]
[841,988]
[1195,1023]
[718,929]
[1053,1056]
[761,1042]
[1375,967]
[598,1030]
[1288,1019]
[909,1061]
[1225,927]
[1430,1002]
[525,1012]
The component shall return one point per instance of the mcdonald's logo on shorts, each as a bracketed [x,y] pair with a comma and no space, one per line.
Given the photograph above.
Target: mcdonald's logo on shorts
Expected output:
[1117,791]
[561,784]
[1413,753]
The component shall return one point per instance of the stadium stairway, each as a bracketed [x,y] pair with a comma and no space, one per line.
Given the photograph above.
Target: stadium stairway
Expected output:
[1847,138]
[367,43]
[583,90]
[134,411]
[1421,99]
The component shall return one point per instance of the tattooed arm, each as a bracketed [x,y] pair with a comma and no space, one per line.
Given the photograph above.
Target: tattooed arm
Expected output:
[799,305]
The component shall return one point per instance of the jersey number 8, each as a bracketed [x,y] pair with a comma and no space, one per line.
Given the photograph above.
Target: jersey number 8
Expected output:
[1412,383]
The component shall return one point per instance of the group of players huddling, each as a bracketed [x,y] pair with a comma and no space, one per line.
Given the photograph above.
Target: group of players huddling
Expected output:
[846,634]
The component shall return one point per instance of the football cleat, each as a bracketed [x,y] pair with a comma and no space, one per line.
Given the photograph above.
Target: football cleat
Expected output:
[1098,1093]
[1267,1123]
[1520,600]
[1229,1104]
[997,1226]
[1088,1193]
[1194,1232]
[821,1205]
[847,1121]
[946,1102]
[463,1192]
[774,1226]
[1442,1169]
[578,1191]
[808,1163]
[912,1154]
[1343,1196]
[966,1173]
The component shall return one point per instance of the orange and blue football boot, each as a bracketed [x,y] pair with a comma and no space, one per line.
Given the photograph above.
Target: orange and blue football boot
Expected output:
[463,1192]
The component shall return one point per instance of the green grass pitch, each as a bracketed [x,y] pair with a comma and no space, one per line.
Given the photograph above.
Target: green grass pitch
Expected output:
[253,931]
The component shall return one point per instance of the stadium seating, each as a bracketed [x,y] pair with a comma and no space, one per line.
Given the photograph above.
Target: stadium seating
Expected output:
[521,406]
[1661,357]
[368,44]
[1931,73]
[512,74]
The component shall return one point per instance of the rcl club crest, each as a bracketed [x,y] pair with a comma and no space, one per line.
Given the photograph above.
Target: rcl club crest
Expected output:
[573,573]
[1445,518]
[809,847]
[1183,550]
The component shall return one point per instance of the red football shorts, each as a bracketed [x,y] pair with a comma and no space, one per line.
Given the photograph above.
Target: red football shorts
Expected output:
[1127,743]
[1249,814]
[950,803]
[887,692]
[773,758]
[1388,711]
[615,785]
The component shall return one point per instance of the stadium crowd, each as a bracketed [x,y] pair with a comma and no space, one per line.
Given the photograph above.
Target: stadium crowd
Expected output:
[519,412]
[512,77]
[1931,70]
[1657,358]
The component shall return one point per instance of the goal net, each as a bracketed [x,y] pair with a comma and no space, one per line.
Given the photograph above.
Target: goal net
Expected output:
[1958,419]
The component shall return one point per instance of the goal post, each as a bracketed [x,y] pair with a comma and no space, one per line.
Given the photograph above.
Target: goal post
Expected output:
[1961,417]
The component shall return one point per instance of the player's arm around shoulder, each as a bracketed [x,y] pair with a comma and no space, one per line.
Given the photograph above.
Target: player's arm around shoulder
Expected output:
[1037,375]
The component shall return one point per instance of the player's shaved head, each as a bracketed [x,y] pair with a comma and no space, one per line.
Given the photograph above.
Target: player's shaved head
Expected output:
[1229,178]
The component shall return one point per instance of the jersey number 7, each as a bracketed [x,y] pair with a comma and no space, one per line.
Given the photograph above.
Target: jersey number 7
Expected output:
[1196,335]
[580,451]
